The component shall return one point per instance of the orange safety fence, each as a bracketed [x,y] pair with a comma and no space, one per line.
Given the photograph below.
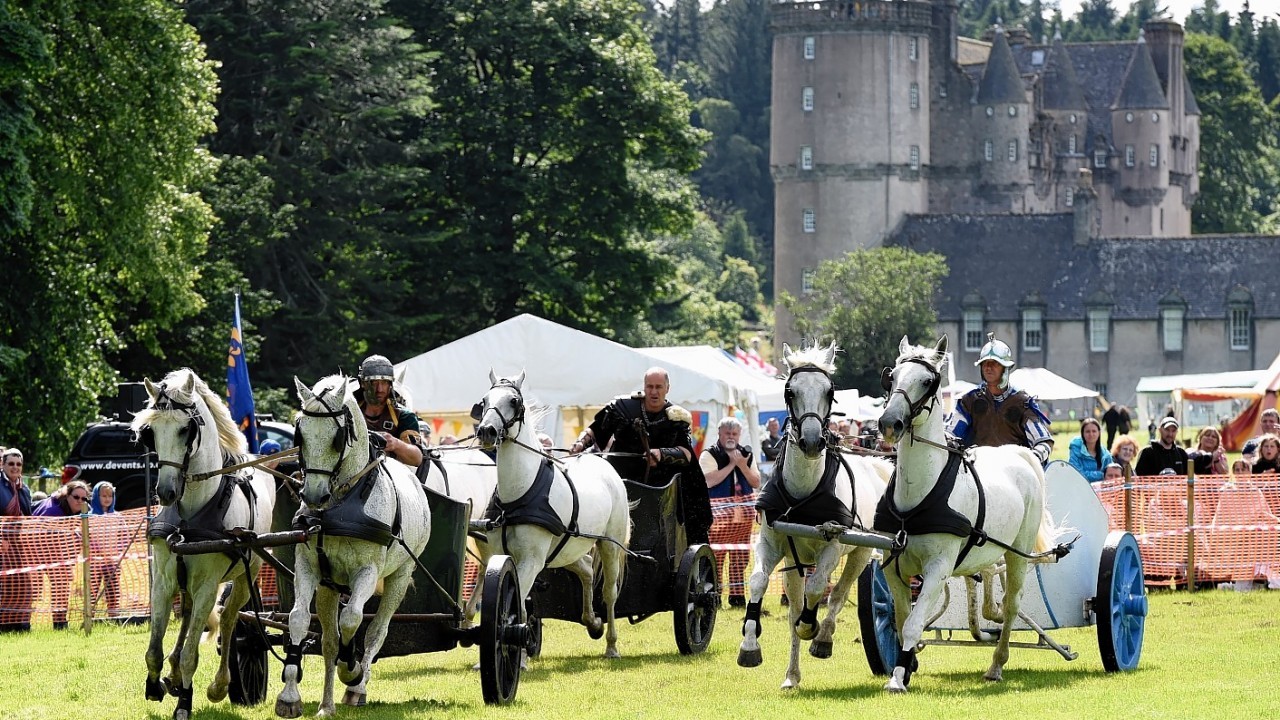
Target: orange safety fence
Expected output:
[1234,529]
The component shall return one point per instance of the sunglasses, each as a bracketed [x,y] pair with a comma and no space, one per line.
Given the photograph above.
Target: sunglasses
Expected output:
[81,498]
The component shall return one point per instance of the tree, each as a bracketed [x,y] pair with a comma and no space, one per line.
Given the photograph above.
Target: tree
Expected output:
[866,301]
[554,152]
[120,96]
[1239,169]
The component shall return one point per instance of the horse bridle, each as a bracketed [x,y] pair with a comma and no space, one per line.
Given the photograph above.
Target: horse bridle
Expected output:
[788,395]
[343,438]
[194,422]
[914,407]
[480,408]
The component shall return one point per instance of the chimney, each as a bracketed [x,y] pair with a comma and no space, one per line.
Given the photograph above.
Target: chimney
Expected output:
[1086,224]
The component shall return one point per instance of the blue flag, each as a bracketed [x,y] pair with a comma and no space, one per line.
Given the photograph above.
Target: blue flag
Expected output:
[239,391]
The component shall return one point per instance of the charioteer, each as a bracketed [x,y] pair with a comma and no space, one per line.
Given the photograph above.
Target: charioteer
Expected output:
[996,414]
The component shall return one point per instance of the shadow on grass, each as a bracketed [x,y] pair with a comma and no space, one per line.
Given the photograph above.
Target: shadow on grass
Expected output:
[957,683]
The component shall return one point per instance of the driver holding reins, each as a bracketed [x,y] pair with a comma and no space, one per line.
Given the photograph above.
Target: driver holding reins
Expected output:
[994,413]
[385,413]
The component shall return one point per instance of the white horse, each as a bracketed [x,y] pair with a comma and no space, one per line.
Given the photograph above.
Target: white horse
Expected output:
[581,497]
[373,523]
[813,484]
[1009,486]
[194,437]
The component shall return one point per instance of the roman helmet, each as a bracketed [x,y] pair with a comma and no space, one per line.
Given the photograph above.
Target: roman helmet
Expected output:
[998,351]
[375,367]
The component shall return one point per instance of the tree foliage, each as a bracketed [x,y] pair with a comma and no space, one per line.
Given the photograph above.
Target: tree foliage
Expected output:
[866,301]
[111,100]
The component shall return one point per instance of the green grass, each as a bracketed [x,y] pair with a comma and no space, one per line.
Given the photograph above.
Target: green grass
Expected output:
[1207,654]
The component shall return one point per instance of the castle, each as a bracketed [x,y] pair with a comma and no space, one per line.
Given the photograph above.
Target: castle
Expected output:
[1054,177]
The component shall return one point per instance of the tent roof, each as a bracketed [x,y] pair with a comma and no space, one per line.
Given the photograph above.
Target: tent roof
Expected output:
[1046,385]
[1169,383]
[565,368]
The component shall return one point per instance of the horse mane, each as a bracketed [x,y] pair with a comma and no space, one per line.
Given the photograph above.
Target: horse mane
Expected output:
[923,352]
[330,385]
[813,356]
[229,435]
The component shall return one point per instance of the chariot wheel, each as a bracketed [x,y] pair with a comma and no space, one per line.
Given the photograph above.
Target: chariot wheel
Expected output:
[503,633]
[534,647]
[876,619]
[696,600]
[247,660]
[1121,603]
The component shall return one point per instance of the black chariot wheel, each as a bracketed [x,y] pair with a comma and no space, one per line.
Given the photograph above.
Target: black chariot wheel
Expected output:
[248,663]
[696,600]
[876,619]
[503,632]
[534,648]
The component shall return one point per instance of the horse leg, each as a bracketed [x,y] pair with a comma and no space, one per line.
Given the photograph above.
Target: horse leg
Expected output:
[795,589]
[289,701]
[815,586]
[1014,576]
[822,645]
[173,681]
[583,569]
[239,595]
[394,588]
[900,589]
[363,585]
[936,571]
[767,557]
[612,562]
[327,610]
[164,582]
[204,594]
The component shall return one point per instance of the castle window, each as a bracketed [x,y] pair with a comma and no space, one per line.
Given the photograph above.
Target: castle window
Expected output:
[915,96]
[807,101]
[942,90]
[1155,155]
[913,48]
[806,280]
[806,157]
[1013,111]
[1032,329]
[1071,196]
[1155,117]
[988,151]
[1128,117]
[810,48]
[1099,329]
[1071,145]
[1072,118]
[973,331]
[810,221]
[1240,318]
[1037,57]
[1099,158]
[1013,151]
[1130,156]
[991,111]
[915,157]
[1172,322]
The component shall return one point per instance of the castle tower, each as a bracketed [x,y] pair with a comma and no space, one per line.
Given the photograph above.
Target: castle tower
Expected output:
[849,133]
[1140,131]
[1001,122]
[1165,42]
[1063,100]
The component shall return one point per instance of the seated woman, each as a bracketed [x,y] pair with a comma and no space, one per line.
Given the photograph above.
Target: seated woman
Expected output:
[1087,454]
[1124,452]
[1209,458]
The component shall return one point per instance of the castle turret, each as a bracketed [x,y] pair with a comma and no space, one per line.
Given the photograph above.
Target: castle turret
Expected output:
[1140,131]
[1063,100]
[1001,118]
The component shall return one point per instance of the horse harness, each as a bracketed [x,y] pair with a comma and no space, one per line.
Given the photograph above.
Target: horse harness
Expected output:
[208,523]
[534,508]
[818,507]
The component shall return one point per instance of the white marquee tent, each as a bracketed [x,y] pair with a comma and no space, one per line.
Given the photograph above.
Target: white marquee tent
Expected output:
[570,371]
[1046,385]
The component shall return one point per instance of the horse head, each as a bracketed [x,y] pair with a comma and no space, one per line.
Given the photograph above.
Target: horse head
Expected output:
[180,410]
[809,394]
[912,387]
[331,438]
[499,411]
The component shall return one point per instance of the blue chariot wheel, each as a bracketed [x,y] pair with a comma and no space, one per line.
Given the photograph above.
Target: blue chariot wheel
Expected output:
[1121,603]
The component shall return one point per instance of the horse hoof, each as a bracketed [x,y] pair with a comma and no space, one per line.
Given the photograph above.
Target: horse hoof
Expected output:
[750,658]
[820,649]
[288,709]
[596,630]
[997,676]
[170,686]
[790,684]
[806,632]
[181,714]
[353,698]
[896,687]
[155,690]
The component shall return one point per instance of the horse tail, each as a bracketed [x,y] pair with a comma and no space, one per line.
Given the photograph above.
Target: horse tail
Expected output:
[1047,531]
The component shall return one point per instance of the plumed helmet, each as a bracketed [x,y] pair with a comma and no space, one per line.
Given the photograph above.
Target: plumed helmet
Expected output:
[377,367]
[995,350]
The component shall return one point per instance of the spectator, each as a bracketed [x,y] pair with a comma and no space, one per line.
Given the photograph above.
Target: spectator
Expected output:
[729,468]
[1087,453]
[1270,424]
[15,502]
[1112,471]
[1164,456]
[1209,458]
[1124,452]
[1117,421]
[772,445]
[1241,467]
[69,500]
[1268,462]
[107,538]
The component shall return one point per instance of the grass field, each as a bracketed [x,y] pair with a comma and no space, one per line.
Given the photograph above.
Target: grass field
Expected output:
[1207,654]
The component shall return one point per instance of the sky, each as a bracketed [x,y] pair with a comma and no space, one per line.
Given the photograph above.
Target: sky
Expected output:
[1179,8]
